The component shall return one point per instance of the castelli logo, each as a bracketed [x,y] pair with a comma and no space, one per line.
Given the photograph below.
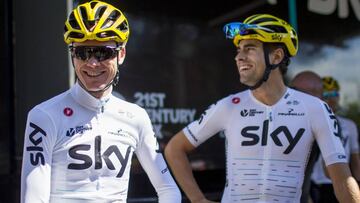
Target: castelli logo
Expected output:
[236,100]
[68,111]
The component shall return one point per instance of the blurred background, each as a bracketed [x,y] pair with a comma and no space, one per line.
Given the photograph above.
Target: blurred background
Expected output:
[178,63]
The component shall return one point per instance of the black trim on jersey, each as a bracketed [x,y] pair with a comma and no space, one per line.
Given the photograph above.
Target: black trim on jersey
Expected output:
[191,134]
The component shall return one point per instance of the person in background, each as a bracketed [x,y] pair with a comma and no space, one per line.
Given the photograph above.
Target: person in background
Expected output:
[322,185]
[78,145]
[269,128]
[308,82]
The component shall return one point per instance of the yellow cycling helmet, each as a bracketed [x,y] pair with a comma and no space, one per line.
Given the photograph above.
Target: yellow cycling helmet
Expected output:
[96,20]
[266,28]
[330,84]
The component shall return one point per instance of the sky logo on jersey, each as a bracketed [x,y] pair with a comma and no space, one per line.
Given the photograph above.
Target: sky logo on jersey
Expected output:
[252,132]
[35,138]
[78,129]
[336,125]
[204,113]
[77,152]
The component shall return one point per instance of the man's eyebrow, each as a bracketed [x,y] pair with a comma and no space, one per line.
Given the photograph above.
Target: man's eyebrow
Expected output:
[248,45]
[251,44]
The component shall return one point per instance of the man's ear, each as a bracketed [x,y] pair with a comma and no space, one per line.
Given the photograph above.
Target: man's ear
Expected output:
[121,56]
[277,56]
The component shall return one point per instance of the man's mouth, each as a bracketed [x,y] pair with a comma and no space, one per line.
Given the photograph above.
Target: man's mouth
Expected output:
[93,74]
[244,68]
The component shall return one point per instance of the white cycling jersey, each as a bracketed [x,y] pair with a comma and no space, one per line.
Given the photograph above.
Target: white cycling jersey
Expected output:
[78,149]
[267,147]
[350,143]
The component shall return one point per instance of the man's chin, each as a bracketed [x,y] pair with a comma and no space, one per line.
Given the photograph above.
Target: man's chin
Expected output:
[96,89]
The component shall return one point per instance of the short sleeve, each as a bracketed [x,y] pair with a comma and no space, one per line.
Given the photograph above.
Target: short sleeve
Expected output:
[212,121]
[326,129]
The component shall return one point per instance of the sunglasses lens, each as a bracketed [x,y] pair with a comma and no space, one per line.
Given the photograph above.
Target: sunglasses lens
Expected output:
[81,53]
[100,53]
[103,53]
[330,94]
[233,29]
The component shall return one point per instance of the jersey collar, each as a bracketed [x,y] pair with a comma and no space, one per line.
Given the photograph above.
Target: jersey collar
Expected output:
[85,99]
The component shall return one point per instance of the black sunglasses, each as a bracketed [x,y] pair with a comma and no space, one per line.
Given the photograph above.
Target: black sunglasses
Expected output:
[101,53]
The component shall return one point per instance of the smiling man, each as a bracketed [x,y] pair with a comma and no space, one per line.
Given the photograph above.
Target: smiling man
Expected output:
[78,145]
[269,128]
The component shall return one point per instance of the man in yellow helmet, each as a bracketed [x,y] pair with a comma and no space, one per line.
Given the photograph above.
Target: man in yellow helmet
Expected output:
[78,145]
[349,137]
[269,128]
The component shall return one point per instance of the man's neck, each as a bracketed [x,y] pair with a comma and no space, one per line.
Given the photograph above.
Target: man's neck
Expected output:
[101,94]
[98,94]
[271,91]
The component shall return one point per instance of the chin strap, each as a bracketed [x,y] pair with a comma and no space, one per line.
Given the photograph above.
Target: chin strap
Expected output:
[268,68]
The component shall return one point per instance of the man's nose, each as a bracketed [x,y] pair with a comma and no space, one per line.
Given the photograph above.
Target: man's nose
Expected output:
[240,56]
[92,61]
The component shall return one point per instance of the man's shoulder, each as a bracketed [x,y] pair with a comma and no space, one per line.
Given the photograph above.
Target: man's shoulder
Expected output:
[236,98]
[53,102]
[126,105]
[305,98]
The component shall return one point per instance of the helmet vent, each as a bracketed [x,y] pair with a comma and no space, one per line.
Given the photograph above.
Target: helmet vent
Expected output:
[89,24]
[123,27]
[72,21]
[276,28]
[114,15]
[75,35]
[93,4]
[111,19]
[83,13]
[294,41]
[261,20]
[99,12]
[106,34]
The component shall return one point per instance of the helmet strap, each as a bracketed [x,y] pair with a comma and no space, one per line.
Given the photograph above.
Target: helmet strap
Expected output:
[268,68]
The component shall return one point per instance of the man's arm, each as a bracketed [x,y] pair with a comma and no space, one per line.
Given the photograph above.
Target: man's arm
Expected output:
[37,158]
[345,186]
[176,155]
[153,162]
[355,165]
